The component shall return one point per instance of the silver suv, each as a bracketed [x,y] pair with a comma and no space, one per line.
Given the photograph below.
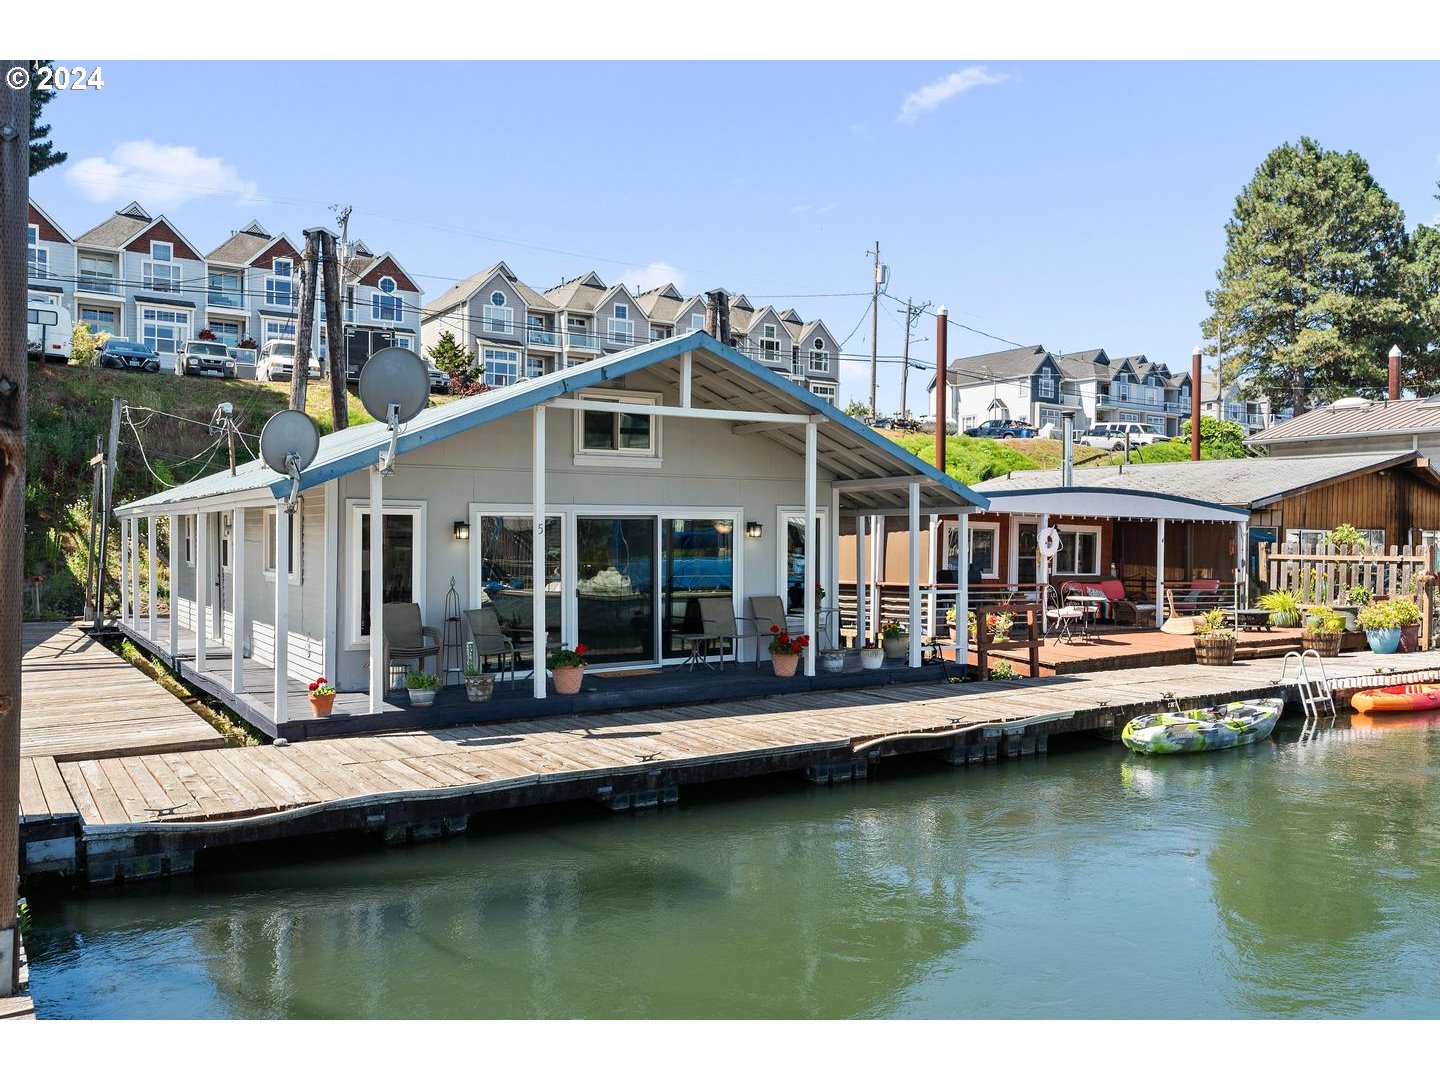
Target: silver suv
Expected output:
[1112,435]
[204,358]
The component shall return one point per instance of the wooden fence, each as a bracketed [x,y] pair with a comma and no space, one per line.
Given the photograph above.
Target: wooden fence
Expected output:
[1324,573]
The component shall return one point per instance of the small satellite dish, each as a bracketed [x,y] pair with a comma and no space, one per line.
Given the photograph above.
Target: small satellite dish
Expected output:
[394,388]
[394,377]
[288,444]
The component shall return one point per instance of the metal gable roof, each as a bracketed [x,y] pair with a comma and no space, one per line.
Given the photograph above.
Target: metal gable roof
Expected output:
[1408,416]
[849,449]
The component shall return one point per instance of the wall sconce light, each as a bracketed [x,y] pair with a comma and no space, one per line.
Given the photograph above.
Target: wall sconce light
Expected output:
[753,530]
[462,530]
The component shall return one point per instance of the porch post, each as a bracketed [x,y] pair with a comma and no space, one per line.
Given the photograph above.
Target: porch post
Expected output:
[537,553]
[1159,571]
[176,540]
[281,711]
[378,675]
[832,585]
[202,585]
[135,601]
[237,601]
[877,571]
[860,583]
[1242,564]
[914,620]
[686,376]
[962,589]
[811,547]
[153,585]
[124,571]
[932,621]
[1042,575]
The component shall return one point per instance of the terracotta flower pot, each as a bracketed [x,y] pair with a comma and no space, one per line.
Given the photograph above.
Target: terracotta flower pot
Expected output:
[321,704]
[568,679]
[785,664]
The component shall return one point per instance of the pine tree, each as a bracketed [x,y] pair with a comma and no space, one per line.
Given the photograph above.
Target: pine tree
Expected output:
[1311,291]
[449,357]
[42,153]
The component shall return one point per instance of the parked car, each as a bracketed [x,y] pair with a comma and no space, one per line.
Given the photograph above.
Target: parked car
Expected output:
[198,357]
[1002,429]
[438,379]
[277,361]
[1112,435]
[128,356]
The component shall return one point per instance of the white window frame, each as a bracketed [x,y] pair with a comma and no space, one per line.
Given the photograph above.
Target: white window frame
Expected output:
[697,320]
[282,272]
[500,356]
[825,392]
[37,258]
[100,326]
[819,356]
[1375,537]
[498,318]
[783,516]
[534,366]
[620,328]
[175,319]
[187,539]
[386,307]
[650,458]
[1045,385]
[358,509]
[170,280]
[297,544]
[274,330]
[1076,530]
[947,540]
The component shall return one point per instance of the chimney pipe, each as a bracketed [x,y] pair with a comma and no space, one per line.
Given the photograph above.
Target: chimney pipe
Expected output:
[717,315]
[942,325]
[1395,355]
[1195,396]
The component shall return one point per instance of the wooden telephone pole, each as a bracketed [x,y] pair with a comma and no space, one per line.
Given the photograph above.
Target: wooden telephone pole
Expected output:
[335,344]
[875,327]
[305,330]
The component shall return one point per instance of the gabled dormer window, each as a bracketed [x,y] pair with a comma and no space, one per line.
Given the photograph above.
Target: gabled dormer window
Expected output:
[819,355]
[498,316]
[385,306]
[160,273]
[37,258]
[697,321]
[1045,385]
[621,329]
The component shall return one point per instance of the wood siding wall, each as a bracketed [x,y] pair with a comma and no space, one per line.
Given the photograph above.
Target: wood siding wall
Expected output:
[1394,500]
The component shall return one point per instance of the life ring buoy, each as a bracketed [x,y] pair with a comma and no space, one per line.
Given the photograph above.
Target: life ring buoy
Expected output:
[1049,542]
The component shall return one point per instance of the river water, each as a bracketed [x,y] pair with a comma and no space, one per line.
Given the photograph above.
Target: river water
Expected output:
[1282,880]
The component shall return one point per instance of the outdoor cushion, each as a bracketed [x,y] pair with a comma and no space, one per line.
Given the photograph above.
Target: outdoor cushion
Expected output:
[1111,589]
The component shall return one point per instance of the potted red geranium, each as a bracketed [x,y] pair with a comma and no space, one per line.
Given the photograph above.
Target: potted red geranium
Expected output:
[567,668]
[785,651]
[322,697]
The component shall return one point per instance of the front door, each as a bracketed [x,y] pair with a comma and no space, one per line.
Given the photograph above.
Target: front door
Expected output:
[615,589]
[1027,535]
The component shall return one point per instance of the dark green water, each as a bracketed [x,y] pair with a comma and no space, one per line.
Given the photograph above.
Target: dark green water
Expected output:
[1283,880]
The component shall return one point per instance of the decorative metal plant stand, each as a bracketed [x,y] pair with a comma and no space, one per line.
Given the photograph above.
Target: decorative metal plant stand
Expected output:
[452,641]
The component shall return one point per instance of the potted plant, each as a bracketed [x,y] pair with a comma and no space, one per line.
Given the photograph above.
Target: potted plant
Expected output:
[894,639]
[422,686]
[322,698]
[1407,617]
[832,661]
[1283,606]
[785,651]
[479,685]
[1214,641]
[1323,627]
[1382,630]
[999,623]
[1356,597]
[872,656]
[567,668]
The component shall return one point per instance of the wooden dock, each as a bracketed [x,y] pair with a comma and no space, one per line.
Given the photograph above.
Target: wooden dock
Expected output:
[148,815]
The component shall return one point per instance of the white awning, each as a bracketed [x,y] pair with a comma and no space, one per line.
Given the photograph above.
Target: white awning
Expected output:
[1108,503]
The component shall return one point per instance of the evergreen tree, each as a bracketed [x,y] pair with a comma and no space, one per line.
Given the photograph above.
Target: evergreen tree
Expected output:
[1311,291]
[1422,351]
[449,357]
[42,151]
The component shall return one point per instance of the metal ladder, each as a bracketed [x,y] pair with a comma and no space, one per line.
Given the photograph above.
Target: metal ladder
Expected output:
[1317,696]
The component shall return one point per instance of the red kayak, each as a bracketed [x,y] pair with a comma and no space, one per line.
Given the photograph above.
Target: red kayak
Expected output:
[1411,697]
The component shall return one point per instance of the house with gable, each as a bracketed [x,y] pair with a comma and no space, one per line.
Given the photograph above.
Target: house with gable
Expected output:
[49,260]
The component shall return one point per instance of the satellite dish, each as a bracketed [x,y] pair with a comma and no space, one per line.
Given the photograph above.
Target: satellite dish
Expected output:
[288,444]
[394,377]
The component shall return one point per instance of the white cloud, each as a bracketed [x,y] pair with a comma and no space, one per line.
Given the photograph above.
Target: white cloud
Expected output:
[814,208]
[159,177]
[652,274]
[932,95]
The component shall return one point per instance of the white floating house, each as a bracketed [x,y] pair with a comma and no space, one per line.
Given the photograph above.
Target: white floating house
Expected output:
[671,471]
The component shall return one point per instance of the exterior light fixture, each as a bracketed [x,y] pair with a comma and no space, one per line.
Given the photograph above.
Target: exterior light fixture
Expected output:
[462,530]
[753,530]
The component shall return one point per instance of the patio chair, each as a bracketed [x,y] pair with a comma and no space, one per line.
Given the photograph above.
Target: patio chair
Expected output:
[765,612]
[489,639]
[1061,617]
[718,624]
[1120,608]
[405,637]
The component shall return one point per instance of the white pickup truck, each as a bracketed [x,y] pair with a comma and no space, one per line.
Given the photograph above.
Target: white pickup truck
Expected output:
[1112,435]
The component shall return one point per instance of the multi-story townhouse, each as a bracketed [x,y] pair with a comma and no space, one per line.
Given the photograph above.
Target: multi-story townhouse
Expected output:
[49,260]
[670,313]
[1235,402]
[803,352]
[253,287]
[382,305]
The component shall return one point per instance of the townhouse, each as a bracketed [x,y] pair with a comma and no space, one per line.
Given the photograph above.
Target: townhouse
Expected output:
[1234,401]
[518,332]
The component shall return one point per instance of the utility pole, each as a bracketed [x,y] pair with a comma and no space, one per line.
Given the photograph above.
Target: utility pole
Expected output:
[911,314]
[305,331]
[881,273]
[334,329]
[112,451]
[340,350]
[14,386]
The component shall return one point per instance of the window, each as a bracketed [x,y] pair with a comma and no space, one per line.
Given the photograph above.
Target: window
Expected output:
[225,288]
[984,549]
[1309,538]
[825,392]
[278,330]
[498,317]
[504,546]
[697,321]
[227,331]
[402,556]
[660,333]
[1133,417]
[819,355]
[620,329]
[1052,416]
[164,330]
[101,320]
[294,537]
[187,539]
[401,341]
[96,273]
[278,287]
[502,366]
[226,523]
[769,344]
[534,367]
[1045,386]
[497,299]
[607,435]
[1079,551]
[967,422]
[792,559]
[36,257]
[160,273]
[385,307]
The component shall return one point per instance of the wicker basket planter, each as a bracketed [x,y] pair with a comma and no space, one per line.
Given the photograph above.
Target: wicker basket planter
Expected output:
[1324,644]
[1215,651]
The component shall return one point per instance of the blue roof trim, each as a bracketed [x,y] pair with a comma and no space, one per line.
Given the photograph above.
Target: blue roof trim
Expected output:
[476,412]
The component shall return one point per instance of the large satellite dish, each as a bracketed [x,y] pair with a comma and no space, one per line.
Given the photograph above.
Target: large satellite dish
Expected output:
[394,377]
[288,444]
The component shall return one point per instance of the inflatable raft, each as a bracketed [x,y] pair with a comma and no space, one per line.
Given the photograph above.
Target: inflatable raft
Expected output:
[1218,728]
[1411,697]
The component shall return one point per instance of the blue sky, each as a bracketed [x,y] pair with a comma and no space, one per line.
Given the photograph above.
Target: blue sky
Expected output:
[1071,204]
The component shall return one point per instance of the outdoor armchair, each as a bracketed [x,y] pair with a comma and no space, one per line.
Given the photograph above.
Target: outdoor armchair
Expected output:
[718,623]
[490,640]
[765,612]
[405,638]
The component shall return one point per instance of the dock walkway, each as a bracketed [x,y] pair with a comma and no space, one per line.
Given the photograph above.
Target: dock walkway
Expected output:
[147,815]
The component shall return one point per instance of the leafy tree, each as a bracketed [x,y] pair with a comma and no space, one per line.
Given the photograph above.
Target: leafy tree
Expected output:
[85,344]
[857,410]
[1311,290]
[42,150]
[1218,438]
[1423,299]
[449,357]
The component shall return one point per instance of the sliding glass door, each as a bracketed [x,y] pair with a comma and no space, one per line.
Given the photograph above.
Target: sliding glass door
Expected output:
[699,562]
[615,589]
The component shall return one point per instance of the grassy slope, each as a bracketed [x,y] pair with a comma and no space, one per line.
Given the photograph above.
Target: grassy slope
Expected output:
[70,407]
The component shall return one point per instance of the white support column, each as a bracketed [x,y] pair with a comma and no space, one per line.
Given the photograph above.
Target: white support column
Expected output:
[1159,571]
[124,571]
[378,674]
[202,586]
[862,585]
[932,619]
[281,711]
[962,589]
[686,377]
[832,584]
[152,583]
[877,572]
[811,546]
[135,603]
[177,540]
[1242,565]
[914,575]
[537,554]
[237,601]
[1042,574]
